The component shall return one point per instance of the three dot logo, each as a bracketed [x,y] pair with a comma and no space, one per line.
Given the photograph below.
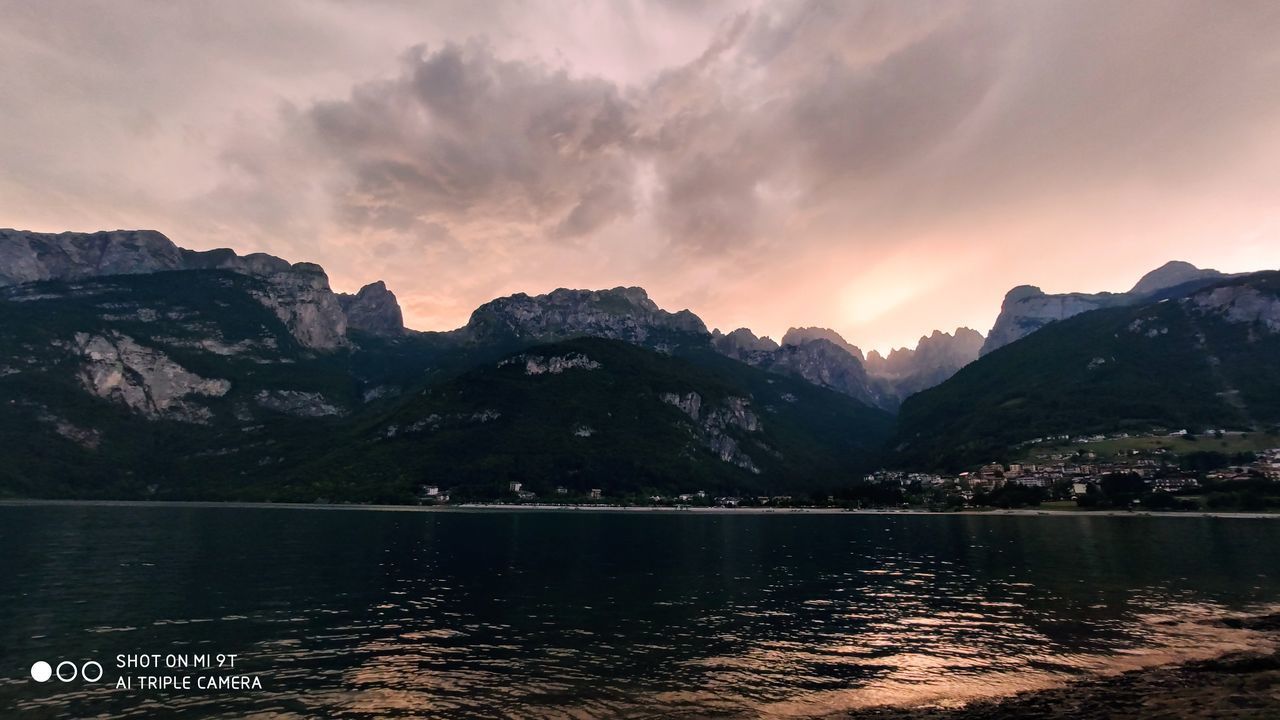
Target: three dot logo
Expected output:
[66,671]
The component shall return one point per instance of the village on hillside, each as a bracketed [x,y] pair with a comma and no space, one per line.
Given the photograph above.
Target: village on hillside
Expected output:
[1173,470]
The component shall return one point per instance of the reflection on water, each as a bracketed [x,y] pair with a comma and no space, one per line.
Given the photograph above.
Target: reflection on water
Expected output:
[377,614]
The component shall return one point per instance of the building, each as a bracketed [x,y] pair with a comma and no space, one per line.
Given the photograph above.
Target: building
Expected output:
[1174,484]
[596,493]
[514,486]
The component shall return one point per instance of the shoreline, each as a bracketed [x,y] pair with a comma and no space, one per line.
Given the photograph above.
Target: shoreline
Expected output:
[659,510]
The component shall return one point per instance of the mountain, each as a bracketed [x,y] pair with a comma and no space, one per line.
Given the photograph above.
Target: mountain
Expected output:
[1027,308]
[297,293]
[373,309]
[1171,275]
[596,413]
[823,357]
[742,343]
[619,314]
[800,336]
[935,358]
[816,355]
[130,368]
[1204,359]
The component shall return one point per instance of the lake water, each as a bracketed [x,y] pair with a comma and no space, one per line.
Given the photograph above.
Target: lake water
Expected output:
[368,613]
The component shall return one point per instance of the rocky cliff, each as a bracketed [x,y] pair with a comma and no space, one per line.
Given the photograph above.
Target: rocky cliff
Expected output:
[824,363]
[373,309]
[143,379]
[817,355]
[297,293]
[1256,307]
[1027,308]
[623,313]
[29,257]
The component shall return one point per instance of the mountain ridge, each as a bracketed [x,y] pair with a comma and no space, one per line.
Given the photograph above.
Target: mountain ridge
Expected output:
[1026,308]
[1204,359]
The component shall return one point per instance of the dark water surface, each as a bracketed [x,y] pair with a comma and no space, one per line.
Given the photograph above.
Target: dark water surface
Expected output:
[540,614]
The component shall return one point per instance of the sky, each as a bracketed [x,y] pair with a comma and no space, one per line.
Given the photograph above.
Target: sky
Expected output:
[881,168]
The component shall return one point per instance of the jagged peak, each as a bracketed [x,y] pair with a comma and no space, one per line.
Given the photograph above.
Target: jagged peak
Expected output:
[373,309]
[742,340]
[803,335]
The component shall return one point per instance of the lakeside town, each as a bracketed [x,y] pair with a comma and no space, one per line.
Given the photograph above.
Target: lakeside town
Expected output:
[1180,470]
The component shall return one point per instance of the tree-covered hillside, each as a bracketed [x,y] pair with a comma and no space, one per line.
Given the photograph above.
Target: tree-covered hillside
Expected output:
[1209,359]
[188,384]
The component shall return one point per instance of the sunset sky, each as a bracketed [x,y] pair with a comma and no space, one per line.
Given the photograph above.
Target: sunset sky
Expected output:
[883,169]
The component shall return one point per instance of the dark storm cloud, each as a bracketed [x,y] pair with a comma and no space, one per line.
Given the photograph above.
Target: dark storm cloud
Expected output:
[462,136]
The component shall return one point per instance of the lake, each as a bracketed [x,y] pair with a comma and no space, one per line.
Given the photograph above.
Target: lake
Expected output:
[369,613]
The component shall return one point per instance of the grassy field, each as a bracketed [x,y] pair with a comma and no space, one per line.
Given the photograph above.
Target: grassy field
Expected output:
[1229,443]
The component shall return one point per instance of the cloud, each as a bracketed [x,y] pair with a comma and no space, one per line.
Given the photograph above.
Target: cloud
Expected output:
[768,164]
[462,138]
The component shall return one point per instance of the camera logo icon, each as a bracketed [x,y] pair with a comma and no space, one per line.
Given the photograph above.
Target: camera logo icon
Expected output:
[66,671]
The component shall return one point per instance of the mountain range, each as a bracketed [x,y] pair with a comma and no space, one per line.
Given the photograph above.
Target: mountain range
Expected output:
[130,367]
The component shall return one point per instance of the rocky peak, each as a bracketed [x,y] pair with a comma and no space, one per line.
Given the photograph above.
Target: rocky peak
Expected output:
[822,362]
[935,358]
[817,355]
[373,309]
[937,350]
[742,343]
[621,314]
[1020,293]
[1172,274]
[802,335]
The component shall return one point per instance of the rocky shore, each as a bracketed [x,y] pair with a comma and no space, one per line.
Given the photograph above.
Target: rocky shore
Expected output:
[1236,685]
